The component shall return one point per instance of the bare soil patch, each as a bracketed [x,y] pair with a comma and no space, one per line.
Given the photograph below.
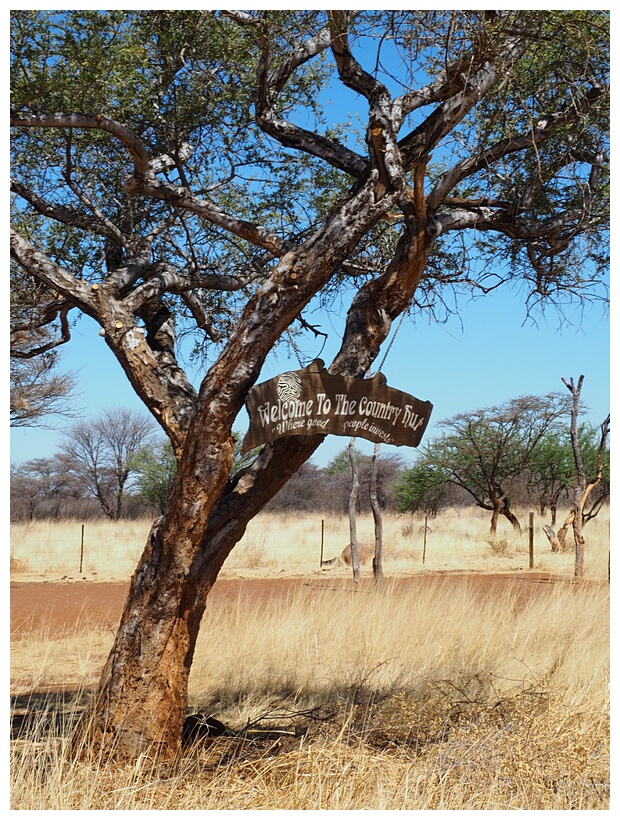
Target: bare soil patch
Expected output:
[58,606]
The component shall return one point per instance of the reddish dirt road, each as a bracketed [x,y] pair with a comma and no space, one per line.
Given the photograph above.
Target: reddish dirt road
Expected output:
[56,607]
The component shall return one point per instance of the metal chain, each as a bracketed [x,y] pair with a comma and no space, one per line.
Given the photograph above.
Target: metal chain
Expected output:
[389,347]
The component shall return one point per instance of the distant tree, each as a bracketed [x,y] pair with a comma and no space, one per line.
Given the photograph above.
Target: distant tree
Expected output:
[590,471]
[422,488]
[488,451]
[337,478]
[552,472]
[305,491]
[341,463]
[41,486]
[155,469]
[102,452]
[25,491]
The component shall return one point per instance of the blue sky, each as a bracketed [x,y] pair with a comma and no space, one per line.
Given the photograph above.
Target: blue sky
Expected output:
[487,356]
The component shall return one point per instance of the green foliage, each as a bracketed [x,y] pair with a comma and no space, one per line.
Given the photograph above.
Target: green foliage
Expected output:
[341,463]
[488,451]
[188,77]
[179,81]
[155,468]
[421,488]
[552,471]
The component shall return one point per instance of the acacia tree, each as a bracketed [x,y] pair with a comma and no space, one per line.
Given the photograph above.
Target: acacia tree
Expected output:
[38,482]
[585,481]
[101,454]
[37,389]
[552,471]
[487,451]
[177,177]
[422,487]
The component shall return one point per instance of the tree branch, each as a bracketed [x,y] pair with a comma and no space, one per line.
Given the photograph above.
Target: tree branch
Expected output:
[65,334]
[44,270]
[349,70]
[292,136]
[476,85]
[166,280]
[143,180]
[538,135]
[133,144]
[180,197]
[65,215]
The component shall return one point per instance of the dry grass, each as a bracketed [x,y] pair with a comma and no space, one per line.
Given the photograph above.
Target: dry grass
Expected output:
[50,550]
[386,700]
[392,701]
[290,544]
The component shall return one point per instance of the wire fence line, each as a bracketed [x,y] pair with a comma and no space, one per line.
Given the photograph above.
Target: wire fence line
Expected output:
[308,544]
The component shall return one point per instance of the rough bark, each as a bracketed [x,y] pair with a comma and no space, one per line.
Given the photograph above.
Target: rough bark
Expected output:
[494,519]
[553,538]
[377,562]
[501,506]
[506,511]
[355,486]
[584,486]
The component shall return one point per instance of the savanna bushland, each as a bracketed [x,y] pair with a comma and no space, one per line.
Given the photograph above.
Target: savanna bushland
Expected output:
[182,178]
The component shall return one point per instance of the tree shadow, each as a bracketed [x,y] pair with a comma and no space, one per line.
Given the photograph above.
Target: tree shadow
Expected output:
[46,713]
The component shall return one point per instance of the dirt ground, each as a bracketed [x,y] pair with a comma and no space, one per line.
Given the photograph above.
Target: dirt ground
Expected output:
[58,606]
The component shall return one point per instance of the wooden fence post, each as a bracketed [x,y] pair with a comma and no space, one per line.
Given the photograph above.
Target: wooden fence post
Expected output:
[531,540]
[82,550]
[424,549]
[355,486]
[322,537]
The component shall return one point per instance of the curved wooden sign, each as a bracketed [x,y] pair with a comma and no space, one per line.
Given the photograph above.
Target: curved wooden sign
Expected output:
[311,401]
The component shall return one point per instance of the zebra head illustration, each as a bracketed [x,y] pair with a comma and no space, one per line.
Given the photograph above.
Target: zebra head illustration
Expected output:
[289,387]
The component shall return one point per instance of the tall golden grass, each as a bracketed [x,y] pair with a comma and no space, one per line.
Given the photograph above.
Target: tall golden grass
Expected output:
[441,698]
[291,544]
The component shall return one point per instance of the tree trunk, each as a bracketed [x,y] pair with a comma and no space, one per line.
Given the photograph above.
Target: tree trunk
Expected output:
[494,519]
[553,539]
[377,561]
[580,547]
[141,703]
[505,510]
[142,697]
[355,486]
[562,532]
[554,514]
[512,518]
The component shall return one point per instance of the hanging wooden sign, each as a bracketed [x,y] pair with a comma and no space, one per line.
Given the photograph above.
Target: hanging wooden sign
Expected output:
[310,401]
